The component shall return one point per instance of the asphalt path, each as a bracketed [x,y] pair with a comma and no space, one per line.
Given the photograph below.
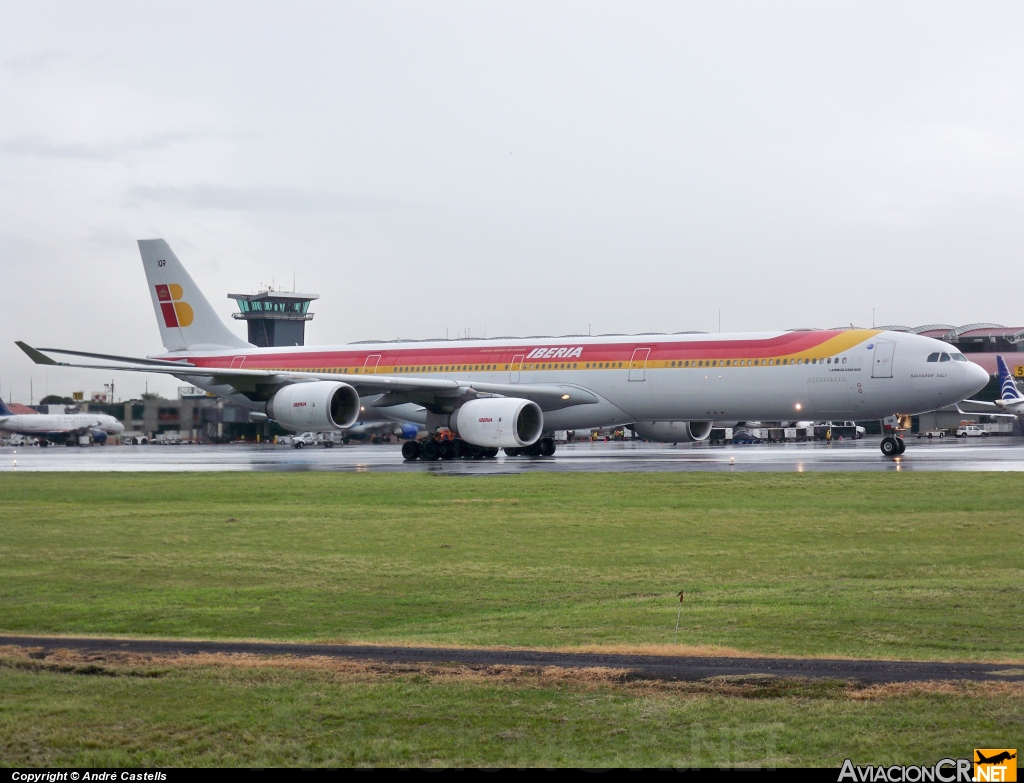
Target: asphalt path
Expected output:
[993,453]
[660,667]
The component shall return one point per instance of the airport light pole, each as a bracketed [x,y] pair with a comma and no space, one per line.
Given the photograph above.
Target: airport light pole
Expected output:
[679,614]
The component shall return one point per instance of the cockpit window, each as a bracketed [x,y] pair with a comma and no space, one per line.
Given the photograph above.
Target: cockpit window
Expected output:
[959,357]
[933,357]
[944,357]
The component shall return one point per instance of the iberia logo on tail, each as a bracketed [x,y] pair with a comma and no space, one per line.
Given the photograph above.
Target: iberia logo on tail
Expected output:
[176,312]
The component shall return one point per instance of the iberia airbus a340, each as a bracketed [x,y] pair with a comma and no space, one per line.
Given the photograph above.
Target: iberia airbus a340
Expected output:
[512,392]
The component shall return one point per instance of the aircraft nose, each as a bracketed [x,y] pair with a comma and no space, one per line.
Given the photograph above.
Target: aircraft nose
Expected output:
[976,378]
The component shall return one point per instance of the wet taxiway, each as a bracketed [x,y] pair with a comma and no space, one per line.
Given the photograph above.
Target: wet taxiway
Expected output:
[661,667]
[981,454]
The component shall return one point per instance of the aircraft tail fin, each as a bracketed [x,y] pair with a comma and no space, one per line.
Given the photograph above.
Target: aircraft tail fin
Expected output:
[1007,385]
[4,410]
[186,319]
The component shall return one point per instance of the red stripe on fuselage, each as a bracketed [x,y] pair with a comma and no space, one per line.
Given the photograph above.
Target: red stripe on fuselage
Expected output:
[788,343]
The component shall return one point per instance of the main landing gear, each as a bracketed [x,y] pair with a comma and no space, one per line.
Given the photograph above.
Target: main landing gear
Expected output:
[545,447]
[433,449]
[893,446]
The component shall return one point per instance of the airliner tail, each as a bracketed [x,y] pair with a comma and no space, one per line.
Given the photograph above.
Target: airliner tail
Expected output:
[1007,385]
[186,319]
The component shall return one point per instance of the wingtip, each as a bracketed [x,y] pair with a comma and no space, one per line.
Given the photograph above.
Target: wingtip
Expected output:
[33,354]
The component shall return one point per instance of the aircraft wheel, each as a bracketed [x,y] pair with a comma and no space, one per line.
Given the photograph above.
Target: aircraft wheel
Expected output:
[890,447]
[411,450]
[461,448]
[512,451]
[490,453]
[474,452]
[449,450]
[902,444]
[532,450]
[44,443]
[431,450]
[547,447]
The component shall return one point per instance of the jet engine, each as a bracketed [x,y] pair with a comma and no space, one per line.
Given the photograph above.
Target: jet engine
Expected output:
[315,406]
[673,431]
[498,422]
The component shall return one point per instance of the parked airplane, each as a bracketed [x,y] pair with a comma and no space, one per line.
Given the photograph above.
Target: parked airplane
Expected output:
[511,392]
[373,430]
[1010,402]
[59,428]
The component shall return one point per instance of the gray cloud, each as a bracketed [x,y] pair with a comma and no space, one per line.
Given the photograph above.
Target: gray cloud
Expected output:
[45,147]
[32,63]
[262,199]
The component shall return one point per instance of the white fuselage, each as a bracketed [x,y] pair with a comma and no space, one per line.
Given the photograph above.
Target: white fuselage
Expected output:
[845,374]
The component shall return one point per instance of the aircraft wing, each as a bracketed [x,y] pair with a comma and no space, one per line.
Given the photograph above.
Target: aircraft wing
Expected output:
[394,389]
[33,352]
[976,407]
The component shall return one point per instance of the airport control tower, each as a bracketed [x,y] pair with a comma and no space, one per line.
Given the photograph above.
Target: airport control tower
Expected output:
[275,318]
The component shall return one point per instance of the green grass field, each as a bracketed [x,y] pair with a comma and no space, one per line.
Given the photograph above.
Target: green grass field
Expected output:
[925,566]
[274,714]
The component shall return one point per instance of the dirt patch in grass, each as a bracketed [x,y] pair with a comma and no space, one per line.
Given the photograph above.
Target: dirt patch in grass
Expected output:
[119,664]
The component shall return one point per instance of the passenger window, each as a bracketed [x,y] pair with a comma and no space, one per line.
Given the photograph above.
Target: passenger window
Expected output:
[933,357]
[944,357]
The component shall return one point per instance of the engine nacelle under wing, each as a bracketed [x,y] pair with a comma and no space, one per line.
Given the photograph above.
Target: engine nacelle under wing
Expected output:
[316,406]
[673,431]
[499,422]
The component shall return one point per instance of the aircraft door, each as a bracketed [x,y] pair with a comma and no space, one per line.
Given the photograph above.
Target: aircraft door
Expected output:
[881,359]
[638,364]
[237,362]
[370,365]
[516,368]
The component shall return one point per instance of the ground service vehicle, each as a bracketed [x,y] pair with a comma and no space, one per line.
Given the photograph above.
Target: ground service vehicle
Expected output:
[970,431]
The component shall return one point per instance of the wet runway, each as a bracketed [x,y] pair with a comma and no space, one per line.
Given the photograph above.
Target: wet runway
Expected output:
[1005,453]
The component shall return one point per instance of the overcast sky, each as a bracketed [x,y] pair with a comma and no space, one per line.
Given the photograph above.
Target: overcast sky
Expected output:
[524,168]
